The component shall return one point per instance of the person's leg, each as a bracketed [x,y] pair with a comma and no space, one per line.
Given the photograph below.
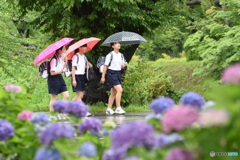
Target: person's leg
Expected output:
[53,98]
[111,98]
[65,95]
[79,95]
[119,91]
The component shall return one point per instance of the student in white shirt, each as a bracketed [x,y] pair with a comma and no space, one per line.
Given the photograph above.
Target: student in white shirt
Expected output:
[113,64]
[79,63]
[56,83]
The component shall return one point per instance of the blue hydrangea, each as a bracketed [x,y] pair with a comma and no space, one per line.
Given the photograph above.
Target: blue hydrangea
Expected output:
[60,105]
[135,134]
[192,99]
[114,154]
[6,130]
[163,140]
[153,116]
[88,149]
[77,108]
[56,130]
[90,124]
[161,104]
[40,118]
[132,158]
[47,154]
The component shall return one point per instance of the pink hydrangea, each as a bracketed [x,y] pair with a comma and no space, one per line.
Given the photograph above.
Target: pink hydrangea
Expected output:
[232,74]
[212,117]
[178,153]
[178,118]
[13,88]
[25,115]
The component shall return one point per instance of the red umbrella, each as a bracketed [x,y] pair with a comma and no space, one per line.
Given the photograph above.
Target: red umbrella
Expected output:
[51,50]
[90,42]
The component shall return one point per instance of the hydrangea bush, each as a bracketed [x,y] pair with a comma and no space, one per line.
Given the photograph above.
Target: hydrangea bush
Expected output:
[189,129]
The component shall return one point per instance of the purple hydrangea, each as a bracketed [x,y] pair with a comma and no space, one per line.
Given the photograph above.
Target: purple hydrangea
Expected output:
[77,108]
[232,74]
[178,118]
[133,158]
[6,130]
[40,118]
[133,134]
[163,140]
[26,115]
[179,154]
[114,154]
[192,99]
[88,149]
[90,124]
[13,88]
[161,104]
[56,130]
[60,105]
[47,154]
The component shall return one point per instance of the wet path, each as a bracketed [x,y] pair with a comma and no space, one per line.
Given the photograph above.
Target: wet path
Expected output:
[121,119]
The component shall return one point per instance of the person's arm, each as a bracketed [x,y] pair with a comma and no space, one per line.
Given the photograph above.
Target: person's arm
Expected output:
[124,64]
[53,68]
[74,64]
[104,73]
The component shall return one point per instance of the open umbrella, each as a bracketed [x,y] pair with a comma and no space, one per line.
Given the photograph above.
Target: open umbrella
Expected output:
[90,42]
[125,38]
[51,50]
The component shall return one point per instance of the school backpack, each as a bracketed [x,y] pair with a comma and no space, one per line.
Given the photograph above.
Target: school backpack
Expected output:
[101,61]
[44,68]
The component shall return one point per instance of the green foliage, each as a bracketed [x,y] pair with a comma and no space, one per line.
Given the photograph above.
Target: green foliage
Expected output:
[217,40]
[142,83]
[25,142]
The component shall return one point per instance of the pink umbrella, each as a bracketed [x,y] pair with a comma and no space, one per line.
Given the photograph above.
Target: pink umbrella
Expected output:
[51,50]
[90,42]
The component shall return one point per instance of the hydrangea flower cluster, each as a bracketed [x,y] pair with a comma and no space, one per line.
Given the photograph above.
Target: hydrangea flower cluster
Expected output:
[40,118]
[232,74]
[133,135]
[163,140]
[161,104]
[13,88]
[179,118]
[88,149]
[116,154]
[90,124]
[133,158]
[212,117]
[178,153]
[47,154]
[56,130]
[25,115]
[192,99]
[6,130]
[78,108]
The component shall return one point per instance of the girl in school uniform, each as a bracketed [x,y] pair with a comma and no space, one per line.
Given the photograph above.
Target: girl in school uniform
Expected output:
[112,67]
[56,83]
[79,63]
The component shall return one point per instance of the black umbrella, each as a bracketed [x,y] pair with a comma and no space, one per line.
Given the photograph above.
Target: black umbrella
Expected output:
[125,38]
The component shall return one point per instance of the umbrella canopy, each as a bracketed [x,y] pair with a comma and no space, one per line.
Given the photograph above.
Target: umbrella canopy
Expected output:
[125,38]
[51,50]
[90,42]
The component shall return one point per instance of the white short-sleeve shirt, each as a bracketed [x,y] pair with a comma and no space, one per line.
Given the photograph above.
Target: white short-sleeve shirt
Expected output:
[60,64]
[80,70]
[117,61]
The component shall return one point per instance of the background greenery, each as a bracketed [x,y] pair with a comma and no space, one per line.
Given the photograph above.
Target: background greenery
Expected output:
[187,49]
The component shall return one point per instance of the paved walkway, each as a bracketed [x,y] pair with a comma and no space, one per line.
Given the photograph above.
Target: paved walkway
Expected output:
[121,119]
